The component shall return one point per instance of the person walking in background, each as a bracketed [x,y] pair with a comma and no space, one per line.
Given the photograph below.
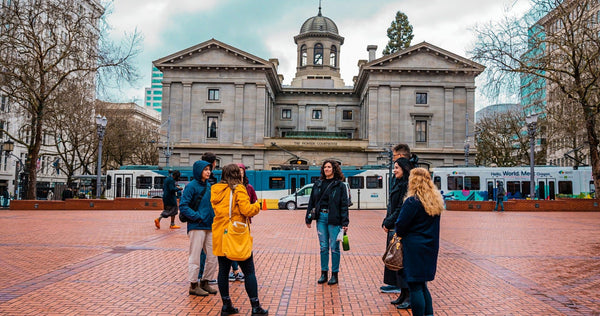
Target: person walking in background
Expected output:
[499,196]
[196,207]
[170,190]
[418,225]
[50,195]
[236,274]
[67,193]
[402,167]
[241,211]
[329,197]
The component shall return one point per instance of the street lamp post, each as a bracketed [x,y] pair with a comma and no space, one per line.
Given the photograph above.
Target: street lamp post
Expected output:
[531,121]
[101,126]
[8,147]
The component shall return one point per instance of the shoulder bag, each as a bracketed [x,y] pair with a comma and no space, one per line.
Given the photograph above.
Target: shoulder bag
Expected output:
[194,206]
[236,242]
[392,258]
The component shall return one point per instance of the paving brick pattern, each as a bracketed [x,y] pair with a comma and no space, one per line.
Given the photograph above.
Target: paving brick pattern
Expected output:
[117,263]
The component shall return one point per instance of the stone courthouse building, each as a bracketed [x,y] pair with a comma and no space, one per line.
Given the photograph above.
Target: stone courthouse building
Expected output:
[222,99]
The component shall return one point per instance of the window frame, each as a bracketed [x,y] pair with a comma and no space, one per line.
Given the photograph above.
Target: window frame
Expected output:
[209,132]
[213,94]
[303,55]
[333,56]
[319,116]
[284,112]
[421,136]
[345,117]
[418,98]
[318,52]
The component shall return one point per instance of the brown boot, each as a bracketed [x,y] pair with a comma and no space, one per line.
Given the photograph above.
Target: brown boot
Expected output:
[197,290]
[206,287]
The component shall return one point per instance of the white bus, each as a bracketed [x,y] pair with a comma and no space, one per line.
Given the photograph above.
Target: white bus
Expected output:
[479,183]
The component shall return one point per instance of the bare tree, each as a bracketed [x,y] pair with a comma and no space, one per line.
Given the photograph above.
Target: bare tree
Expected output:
[46,44]
[562,49]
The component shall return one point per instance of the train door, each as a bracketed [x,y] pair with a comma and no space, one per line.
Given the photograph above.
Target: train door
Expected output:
[491,186]
[123,185]
[297,181]
[128,185]
[546,189]
[118,186]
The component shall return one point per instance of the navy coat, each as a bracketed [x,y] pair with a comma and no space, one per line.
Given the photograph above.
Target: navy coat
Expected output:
[420,234]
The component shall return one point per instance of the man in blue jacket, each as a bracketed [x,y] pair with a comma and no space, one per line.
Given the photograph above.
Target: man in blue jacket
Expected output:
[196,208]
[170,190]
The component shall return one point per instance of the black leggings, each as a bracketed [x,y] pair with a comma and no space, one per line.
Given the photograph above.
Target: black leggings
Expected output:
[249,276]
[420,299]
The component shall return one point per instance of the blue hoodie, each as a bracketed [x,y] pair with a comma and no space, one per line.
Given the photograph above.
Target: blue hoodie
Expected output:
[202,218]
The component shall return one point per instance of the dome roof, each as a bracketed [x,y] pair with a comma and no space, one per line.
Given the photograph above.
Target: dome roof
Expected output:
[319,23]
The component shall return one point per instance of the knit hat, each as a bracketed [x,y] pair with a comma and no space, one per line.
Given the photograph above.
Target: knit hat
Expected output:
[241,165]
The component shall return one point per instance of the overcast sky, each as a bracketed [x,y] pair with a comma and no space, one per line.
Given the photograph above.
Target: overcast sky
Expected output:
[266,28]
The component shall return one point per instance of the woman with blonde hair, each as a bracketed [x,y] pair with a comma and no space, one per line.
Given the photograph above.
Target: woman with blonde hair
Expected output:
[418,225]
[241,211]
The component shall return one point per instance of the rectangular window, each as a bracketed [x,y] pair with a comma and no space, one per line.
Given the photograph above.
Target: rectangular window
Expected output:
[143,182]
[565,187]
[374,182]
[213,94]
[286,114]
[317,114]
[455,183]
[276,183]
[421,131]
[211,127]
[4,103]
[438,182]
[356,182]
[347,115]
[471,183]
[513,189]
[421,98]
[158,182]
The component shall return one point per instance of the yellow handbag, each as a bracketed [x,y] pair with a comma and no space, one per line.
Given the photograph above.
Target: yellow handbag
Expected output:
[237,242]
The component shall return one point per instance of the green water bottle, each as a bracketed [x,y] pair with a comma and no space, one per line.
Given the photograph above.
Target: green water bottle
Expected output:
[345,243]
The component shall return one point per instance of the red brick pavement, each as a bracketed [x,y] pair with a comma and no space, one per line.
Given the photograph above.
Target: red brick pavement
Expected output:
[116,262]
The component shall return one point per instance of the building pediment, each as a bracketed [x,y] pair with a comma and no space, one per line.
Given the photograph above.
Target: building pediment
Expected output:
[426,57]
[212,53]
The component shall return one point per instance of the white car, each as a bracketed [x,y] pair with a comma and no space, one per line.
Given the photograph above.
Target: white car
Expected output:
[301,197]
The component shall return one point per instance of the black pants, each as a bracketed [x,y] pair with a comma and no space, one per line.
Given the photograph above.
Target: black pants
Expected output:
[250,277]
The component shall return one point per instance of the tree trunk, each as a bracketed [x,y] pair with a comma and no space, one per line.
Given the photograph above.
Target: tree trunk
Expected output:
[593,140]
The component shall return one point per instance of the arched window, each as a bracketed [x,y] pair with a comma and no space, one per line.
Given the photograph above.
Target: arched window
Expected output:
[303,56]
[318,56]
[333,56]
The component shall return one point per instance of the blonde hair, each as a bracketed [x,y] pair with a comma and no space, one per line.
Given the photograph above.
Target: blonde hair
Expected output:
[421,186]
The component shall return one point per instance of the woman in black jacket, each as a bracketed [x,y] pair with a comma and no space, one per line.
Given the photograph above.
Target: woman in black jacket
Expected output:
[329,198]
[419,226]
[402,167]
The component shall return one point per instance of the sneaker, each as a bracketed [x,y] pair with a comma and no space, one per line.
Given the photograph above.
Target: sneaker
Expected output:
[212,281]
[231,276]
[174,227]
[239,277]
[157,223]
[390,289]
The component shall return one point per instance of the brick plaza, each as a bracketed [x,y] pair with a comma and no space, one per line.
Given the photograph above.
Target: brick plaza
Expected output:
[117,263]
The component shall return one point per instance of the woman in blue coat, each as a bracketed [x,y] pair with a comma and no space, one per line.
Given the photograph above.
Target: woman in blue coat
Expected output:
[419,226]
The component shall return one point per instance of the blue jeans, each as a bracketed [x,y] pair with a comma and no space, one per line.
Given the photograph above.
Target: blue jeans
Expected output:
[327,240]
[499,201]
[202,263]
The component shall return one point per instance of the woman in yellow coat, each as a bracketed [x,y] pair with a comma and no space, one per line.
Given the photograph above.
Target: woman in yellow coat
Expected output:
[241,211]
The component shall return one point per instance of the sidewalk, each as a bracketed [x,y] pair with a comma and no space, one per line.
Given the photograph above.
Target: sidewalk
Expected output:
[117,263]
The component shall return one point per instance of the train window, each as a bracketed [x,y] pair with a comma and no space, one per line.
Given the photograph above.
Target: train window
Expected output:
[471,183]
[108,182]
[158,182]
[455,183]
[437,180]
[565,187]
[143,182]
[356,182]
[374,182]
[525,188]
[513,189]
[276,183]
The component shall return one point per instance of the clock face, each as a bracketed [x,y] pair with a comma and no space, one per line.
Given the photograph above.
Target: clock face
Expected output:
[318,59]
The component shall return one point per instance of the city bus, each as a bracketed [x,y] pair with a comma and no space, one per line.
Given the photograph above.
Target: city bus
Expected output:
[479,183]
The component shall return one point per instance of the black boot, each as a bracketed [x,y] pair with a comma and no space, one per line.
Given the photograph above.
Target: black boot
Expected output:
[256,308]
[334,278]
[400,299]
[228,308]
[323,277]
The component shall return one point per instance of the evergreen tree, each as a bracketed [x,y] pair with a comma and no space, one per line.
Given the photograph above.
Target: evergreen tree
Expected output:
[399,33]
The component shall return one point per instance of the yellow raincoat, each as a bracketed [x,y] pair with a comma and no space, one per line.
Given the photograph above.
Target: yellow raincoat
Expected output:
[242,209]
